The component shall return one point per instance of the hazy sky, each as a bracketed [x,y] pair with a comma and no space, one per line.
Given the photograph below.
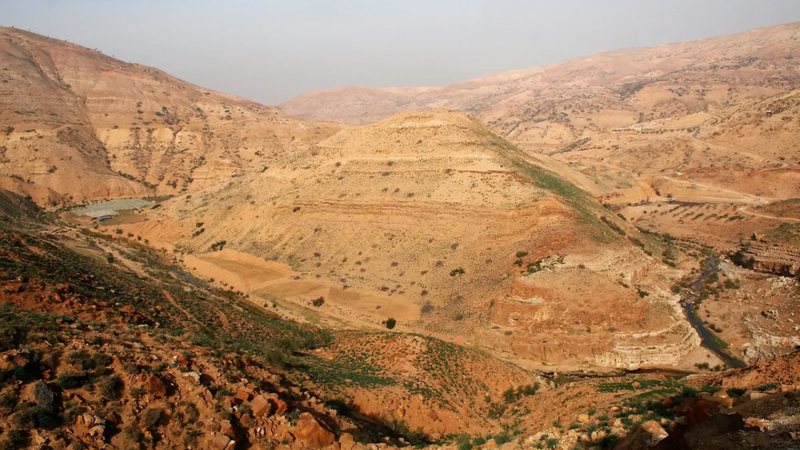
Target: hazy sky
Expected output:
[271,50]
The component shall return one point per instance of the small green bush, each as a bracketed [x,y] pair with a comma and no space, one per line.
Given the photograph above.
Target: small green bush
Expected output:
[72,380]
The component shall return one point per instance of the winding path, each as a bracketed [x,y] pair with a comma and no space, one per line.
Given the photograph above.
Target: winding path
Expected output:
[744,210]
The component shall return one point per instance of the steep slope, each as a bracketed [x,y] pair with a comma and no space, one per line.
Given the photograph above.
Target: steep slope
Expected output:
[78,125]
[628,118]
[430,219]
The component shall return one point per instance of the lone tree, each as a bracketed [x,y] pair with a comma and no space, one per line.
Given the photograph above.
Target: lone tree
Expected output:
[390,323]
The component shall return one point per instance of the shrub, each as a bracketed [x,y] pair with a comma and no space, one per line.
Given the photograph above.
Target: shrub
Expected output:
[768,387]
[502,438]
[732,284]
[8,401]
[152,418]
[111,387]
[390,323]
[457,272]
[617,229]
[319,301]
[188,413]
[137,392]
[133,433]
[72,380]
[15,439]
[86,361]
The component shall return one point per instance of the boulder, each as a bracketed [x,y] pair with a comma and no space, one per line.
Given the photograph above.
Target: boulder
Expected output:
[261,406]
[247,421]
[218,441]
[226,428]
[280,405]
[243,394]
[647,435]
[310,434]
[44,396]
[347,442]
[90,426]
[722,397]
[755,395]
[193,376]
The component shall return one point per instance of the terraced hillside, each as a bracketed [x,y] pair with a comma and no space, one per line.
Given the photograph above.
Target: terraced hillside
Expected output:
[431,220]
[79,125]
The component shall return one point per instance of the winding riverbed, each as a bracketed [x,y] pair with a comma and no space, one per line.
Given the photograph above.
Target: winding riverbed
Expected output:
[707,337]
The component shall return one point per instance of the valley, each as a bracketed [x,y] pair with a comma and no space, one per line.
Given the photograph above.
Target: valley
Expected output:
[600,253]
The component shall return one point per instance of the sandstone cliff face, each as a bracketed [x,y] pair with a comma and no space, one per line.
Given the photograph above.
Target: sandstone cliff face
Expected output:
[78,126]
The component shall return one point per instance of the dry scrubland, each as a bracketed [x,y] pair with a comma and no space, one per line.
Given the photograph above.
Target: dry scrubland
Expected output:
[430,219]
[476,265]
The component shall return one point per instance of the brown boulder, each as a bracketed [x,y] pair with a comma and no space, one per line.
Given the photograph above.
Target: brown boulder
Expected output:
[243,394]
[700,410]
[280,405]
[347,442]
[722,397]
[645,436]
[310,434]
[226,428]
[247,421]
[261,406]
[218,441]
[90,426]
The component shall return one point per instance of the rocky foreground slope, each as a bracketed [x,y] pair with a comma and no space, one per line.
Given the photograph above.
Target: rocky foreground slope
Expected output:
[106,344]
[78,125]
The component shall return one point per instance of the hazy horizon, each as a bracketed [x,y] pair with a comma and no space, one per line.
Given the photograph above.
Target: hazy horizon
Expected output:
[272,51]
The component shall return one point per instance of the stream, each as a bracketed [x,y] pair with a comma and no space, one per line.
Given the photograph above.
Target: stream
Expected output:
[707,337]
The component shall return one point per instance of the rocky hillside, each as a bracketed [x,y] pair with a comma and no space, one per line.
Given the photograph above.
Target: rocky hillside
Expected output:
[776,252]
[624,87]
[106,344]
[706,112]
[78,125]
